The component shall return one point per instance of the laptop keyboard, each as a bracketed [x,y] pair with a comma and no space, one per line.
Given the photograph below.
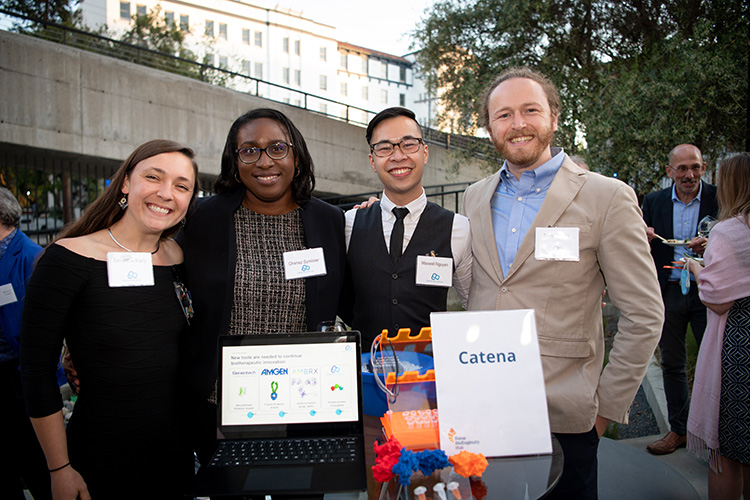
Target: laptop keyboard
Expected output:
[285,451]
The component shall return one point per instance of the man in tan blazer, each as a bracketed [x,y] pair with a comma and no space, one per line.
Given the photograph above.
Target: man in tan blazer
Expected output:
[548,235]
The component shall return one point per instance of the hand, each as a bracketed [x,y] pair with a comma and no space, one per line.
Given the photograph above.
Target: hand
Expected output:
[67,484]
[601,425]
[366,204]
[71,374]
[650,233]
[697,245]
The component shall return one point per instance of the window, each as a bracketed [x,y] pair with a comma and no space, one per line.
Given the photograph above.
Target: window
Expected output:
[184,23]
[384,96]
[246,37]
[222,31]
[169,19]
[258,70]
[208,59]
[323,54]
[285,75]
[223,62]
[344,89]
[258,39]
[385,70]
[365,93]
[402,74]
[140,10]
[402,100]
[285,45]
[323,82]
[364,65]
[297,48]
[210,28]
[343,60]
[246,68]
[297,77]
[324,108]
[125,10]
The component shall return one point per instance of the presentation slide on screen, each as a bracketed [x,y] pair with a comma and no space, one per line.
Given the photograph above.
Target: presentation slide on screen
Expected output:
[294,383]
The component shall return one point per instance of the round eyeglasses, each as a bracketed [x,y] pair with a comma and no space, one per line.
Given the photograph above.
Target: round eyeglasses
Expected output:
[275,151]
[384,149]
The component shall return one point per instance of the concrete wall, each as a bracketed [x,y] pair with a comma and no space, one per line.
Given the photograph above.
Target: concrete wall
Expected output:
[77,102]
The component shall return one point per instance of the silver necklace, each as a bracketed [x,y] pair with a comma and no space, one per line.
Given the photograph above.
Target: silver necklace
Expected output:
[158,243]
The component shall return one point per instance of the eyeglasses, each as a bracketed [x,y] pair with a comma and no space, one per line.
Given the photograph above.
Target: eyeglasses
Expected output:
[682,169]
[276,151]
[384,149]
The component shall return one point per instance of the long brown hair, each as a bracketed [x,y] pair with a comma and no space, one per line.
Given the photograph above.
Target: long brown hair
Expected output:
[105,210]
[733,187]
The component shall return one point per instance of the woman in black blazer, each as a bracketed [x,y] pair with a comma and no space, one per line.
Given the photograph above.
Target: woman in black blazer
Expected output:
[234,244]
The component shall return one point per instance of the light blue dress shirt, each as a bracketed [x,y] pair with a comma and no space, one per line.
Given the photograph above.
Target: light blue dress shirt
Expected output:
[684,225]
[516,203]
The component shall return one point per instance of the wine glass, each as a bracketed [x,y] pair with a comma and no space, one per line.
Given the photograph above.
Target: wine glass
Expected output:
[705,225]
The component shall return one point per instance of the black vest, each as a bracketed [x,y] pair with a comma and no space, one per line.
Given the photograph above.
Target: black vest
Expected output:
[386,296]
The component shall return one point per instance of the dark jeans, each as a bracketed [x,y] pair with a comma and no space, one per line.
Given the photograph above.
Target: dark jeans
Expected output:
[679,310]
[20,454]
[580,467]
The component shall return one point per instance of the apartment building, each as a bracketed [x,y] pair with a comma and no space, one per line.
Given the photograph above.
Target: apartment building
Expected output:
[301,58]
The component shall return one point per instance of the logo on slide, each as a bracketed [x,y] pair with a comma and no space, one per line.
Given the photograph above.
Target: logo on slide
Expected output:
[451,434]
[274,388]
[337,386]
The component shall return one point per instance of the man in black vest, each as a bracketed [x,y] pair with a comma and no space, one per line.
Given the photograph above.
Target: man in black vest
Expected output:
[402,251]
[673,213]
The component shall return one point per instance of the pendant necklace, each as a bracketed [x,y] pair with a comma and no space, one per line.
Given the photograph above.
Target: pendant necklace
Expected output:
[158,243]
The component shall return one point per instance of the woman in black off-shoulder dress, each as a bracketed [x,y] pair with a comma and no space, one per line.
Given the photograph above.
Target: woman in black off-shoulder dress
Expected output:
[122,440]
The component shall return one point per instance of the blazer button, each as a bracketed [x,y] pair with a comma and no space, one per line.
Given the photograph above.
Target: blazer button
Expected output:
[504,289]
[395,301]
[394,276]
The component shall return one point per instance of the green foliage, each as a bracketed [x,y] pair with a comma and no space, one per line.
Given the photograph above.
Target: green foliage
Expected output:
[637,77]
[152,31]
[63,12]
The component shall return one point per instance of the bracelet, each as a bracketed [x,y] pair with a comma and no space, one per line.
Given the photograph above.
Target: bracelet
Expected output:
[59,468]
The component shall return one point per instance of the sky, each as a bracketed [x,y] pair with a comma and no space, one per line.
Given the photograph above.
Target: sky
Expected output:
[381,25]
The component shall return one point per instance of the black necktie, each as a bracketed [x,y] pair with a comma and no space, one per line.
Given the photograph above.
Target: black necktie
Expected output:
[397,235]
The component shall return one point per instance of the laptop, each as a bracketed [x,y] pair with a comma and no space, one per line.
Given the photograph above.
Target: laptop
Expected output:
[289,418]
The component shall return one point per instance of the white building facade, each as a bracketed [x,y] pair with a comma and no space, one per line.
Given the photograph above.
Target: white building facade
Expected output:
[297,60]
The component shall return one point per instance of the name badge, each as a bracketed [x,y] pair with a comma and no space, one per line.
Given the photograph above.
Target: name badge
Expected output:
[557,243]
[304,263]
[7,295]
[130,269]
[434,271]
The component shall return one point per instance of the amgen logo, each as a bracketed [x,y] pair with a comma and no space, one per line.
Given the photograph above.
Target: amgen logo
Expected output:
[275,371]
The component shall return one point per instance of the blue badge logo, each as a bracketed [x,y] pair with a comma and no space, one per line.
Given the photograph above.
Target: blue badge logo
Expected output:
[305,267]
[435,277]
[132,275]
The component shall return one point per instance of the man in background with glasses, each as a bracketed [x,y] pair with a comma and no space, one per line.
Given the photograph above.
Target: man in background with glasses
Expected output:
[673,214]
[403,252]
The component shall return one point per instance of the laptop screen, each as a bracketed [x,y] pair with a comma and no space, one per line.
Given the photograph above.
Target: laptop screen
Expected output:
[272,382]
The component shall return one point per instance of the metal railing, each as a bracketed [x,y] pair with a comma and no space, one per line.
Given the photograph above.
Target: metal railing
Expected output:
[446,195]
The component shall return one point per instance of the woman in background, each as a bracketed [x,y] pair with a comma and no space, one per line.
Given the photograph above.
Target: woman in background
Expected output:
[234,245]
[121,440]
[719,421]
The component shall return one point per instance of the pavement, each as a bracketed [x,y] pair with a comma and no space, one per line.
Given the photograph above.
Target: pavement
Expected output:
[692,469]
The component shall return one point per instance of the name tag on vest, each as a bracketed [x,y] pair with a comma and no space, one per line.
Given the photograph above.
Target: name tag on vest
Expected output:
[130,269]
[434,271]
[304,263]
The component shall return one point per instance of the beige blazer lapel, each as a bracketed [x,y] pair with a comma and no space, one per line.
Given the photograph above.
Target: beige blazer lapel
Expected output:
[486,232]
[560,195]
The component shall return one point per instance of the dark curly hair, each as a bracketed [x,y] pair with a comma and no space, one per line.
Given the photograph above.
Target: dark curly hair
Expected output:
[303,182]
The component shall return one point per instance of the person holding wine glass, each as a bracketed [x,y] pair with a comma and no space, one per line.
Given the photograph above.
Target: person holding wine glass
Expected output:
[672,214]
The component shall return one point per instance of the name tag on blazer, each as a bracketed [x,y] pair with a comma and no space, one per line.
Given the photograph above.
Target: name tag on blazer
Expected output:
[557,243]
[7,295]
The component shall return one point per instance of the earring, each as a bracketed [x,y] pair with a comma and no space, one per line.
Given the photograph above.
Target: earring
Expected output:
[123,202]
[297,171]
[237,178]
